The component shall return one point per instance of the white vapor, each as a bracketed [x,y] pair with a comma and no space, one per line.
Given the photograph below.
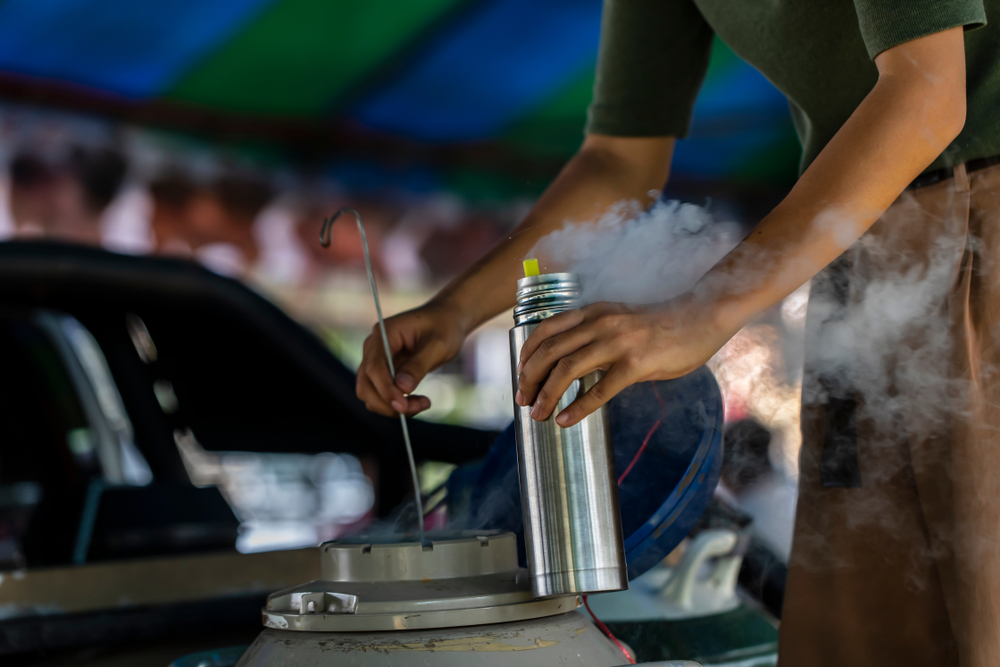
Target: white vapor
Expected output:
[638,257]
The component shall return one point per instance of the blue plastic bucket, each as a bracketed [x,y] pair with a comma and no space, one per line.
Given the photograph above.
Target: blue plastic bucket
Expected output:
[663,489]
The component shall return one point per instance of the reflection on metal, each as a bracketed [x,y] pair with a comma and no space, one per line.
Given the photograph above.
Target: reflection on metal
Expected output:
[223,657]
[110,430]
[165,396]
[88,516]
[139,334]
[80,441]
[542,296]
[283,501]
[324,240]
[569,490]
[204,468]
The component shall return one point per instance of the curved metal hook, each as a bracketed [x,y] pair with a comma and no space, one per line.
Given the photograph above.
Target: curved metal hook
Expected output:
[324,240]
[324,232]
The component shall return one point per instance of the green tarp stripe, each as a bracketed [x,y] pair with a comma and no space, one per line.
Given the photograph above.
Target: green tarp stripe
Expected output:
[301,54]
[555,128]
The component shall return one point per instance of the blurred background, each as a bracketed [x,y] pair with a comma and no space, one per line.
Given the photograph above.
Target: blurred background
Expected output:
[225,131]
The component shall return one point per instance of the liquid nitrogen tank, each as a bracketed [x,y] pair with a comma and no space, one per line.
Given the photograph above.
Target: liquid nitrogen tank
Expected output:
[460,600]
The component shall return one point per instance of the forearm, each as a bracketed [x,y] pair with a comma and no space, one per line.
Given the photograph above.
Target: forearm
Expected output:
[603,172]
[899,129]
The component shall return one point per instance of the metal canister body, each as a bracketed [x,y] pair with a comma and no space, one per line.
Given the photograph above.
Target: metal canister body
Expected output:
[569,490]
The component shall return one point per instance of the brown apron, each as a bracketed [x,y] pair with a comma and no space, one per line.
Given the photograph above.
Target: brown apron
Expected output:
[896,554]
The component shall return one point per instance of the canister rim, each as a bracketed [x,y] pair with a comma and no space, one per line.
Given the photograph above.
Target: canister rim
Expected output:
[546,278]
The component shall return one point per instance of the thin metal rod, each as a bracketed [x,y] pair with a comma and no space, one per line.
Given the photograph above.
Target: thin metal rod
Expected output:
[324,240]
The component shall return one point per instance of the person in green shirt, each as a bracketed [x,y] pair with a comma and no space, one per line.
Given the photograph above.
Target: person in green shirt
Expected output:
[895,557]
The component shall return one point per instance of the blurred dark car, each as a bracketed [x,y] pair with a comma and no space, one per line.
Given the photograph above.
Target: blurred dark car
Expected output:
[108,363]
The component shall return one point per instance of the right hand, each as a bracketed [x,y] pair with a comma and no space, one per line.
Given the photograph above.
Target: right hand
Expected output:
[421,340]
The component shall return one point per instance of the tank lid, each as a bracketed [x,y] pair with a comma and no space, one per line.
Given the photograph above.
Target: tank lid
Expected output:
[462,579]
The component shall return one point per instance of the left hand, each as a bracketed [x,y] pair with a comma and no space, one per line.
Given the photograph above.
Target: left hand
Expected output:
[629,343]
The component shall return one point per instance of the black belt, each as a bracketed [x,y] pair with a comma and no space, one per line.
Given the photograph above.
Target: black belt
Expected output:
[932,177]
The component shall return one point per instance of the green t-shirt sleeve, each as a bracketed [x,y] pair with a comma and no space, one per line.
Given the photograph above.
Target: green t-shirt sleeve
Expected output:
[651,62]
[888,23]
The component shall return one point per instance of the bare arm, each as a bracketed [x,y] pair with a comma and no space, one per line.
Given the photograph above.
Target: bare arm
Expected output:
[603,172]
[911,115]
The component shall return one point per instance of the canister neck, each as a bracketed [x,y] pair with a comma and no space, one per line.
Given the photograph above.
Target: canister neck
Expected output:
[540,297]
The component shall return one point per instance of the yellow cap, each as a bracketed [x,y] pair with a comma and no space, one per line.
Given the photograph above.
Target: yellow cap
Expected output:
[530,268]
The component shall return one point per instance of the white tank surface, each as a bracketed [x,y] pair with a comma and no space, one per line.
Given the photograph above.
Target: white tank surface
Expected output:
[564,639]
[458,600]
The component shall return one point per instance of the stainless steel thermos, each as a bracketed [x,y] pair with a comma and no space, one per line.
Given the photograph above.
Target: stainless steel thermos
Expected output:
[569,491]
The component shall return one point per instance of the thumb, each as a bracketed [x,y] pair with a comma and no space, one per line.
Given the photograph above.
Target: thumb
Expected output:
[412,371]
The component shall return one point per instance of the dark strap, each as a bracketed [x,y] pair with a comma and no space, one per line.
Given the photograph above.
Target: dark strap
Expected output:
[981,163]
[838,464]
[938,175]
[931,177]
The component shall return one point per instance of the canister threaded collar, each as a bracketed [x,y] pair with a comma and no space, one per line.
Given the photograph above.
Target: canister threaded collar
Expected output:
[539,297]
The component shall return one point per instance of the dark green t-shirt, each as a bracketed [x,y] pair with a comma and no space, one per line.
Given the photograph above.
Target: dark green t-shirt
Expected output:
[819,53]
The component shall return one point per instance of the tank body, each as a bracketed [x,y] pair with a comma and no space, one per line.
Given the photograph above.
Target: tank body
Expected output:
[564,639]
